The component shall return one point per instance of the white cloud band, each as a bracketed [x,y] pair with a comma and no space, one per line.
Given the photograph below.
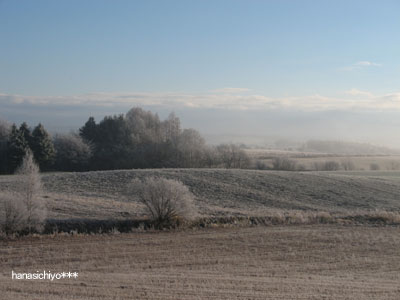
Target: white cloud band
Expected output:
[351,100]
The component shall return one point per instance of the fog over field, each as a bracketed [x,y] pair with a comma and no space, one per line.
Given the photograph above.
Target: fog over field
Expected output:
[228,123]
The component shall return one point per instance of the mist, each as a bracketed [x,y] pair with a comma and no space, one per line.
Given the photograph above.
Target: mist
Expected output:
[249,126]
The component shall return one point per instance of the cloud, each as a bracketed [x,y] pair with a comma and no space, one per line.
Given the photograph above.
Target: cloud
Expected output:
[352,100]
[231,90]
[361,65]
[356,92]
[367,64]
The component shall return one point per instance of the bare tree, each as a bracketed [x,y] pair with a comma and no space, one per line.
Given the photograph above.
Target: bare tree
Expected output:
[29,190]
[12,214]
[348,165]
[326,166]
[232,156]
[191,147]
[164,199]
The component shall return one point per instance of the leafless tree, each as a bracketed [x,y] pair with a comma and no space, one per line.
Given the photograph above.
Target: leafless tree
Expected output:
[12,213]
[164,199]
[191,147]
[327,166]
[29,191]
[232,156]
[348,165]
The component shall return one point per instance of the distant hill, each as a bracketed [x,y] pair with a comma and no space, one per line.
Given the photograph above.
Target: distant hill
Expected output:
[347,148]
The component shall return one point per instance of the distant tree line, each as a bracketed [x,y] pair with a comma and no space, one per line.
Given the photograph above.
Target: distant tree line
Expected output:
[141,140]
[15,142]
[346,148]
[138,139]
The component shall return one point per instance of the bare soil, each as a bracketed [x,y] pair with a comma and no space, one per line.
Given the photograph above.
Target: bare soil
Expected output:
[305,262]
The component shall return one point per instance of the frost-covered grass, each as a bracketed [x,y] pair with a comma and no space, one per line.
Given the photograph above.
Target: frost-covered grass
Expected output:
[221,192]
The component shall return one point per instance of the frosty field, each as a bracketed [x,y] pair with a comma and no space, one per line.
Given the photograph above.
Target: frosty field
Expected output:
[320,261]
[282,262]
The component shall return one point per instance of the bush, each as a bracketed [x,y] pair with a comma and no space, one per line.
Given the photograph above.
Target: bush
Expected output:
[374,167]
[12,213]
[260,165]
[327,166]
[332,166]
[166,200]
[284,164]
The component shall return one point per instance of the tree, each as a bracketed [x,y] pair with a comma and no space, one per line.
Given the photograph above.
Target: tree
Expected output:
[232,156]
[72,153]
[164,199]
[140,140]
[29,190]
[26,132]
[16,148]
[284,164]
[89,131]
[348,165]
[171,129]
[191,147]
[326,166]
[145,127]
[113,144]
[42,147]
[170,136]
[5,129]
[12,214]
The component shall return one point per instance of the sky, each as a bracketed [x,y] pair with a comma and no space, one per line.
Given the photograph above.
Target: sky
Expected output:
[304,69]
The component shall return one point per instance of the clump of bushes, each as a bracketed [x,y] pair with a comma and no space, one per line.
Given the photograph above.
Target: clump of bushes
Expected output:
[284,164]
[168,202]
[327,166]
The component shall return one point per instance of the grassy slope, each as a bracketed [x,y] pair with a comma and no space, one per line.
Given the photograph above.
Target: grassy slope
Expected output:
[223,192]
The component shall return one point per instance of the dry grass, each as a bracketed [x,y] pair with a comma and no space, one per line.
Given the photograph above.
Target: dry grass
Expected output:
[306,262]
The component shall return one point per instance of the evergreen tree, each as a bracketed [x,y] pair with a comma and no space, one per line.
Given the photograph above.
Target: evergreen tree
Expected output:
[5,129]
[26,132]
[16,148]
[42,147]
[113,146]
[89,131]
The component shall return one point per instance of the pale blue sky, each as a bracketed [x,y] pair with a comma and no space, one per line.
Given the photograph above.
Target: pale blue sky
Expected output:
[276,48]
[60,59]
